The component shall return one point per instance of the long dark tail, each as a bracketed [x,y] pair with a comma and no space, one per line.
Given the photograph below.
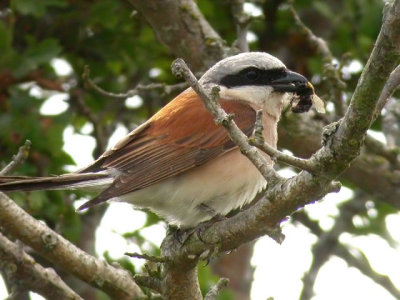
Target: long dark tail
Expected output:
[67,181]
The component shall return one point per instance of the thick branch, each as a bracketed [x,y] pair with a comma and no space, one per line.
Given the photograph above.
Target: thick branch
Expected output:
[115,282]
[20,268]
[360,114]
[370,172]
[185,31]
[181,281]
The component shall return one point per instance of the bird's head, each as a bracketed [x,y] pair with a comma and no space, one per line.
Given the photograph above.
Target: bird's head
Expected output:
[263,81]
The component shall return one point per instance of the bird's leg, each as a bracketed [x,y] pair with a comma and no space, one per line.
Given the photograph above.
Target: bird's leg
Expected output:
[216,217]
[182,235]
[203,226]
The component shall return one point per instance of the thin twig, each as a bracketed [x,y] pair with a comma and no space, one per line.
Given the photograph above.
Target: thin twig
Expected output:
[257,140]
[390,124]
[155,259]
[392,84]
[353,257]
[166,89]
[328,242]
[356,258]
[216,289]
[298,163]
[99,130]
[391,154]
[17,159]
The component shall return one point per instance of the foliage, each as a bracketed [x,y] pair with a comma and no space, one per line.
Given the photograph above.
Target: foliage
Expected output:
[121,50]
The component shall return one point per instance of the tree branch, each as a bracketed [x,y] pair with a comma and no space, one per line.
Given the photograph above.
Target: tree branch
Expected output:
[242,22]
[99,130]
[258,140]
[353,257]
[216,289]
[185,32]
[167,89]
[21,269]
[369,171]
[154,259]
[392,84]
[328,242]
[377,147]
[17,159]
[360,114]
[115,282]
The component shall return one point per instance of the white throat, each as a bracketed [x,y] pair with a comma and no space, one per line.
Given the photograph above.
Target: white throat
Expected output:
[258,97]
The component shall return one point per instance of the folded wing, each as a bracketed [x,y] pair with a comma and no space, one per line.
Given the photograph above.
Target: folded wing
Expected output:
[179,137]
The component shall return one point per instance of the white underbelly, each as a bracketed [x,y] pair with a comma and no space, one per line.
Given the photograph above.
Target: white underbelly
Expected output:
[223,184]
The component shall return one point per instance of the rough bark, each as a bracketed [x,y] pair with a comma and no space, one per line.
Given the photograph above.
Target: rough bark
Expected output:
[25,274]
[115,282]
[371,172]
[237,268]
[181,27]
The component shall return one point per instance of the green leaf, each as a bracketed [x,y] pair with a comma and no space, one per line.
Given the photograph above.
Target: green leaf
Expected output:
[6,49]
[105,10]
[37,54]
[36,8]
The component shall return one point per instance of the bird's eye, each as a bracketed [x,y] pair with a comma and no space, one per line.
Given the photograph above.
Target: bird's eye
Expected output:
[252,74]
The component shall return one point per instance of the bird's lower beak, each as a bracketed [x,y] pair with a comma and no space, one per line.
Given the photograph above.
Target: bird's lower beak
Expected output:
[292,82]
[303,92]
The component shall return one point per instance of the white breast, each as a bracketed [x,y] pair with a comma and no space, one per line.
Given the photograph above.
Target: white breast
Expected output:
[223,184]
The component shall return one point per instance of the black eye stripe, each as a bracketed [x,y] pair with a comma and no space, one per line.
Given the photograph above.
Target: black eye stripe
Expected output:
[252,76]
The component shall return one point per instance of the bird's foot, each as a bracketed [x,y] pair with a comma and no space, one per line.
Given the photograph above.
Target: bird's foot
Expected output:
[203,226]
[183,234]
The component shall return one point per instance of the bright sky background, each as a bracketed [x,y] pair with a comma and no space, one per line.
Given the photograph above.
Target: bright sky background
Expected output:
[278,268]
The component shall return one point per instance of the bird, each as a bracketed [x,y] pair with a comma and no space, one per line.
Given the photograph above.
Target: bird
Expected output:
[180,164]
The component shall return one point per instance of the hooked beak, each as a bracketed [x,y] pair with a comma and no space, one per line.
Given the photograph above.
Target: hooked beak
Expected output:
[292,82]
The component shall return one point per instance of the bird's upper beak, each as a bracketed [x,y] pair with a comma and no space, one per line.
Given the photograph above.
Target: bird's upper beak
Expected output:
[292,82]
[303,90]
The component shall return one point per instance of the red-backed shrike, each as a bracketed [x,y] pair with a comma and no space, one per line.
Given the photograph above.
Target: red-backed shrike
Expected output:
[179,163]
